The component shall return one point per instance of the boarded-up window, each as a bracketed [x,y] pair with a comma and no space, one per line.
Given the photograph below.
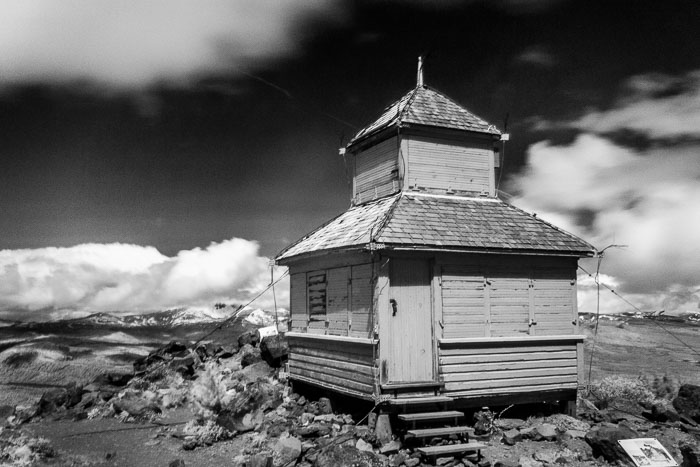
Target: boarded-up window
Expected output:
[338,300]
[464,308]
[553,299]
[510,305]
[499,299]
[361,301]
[316,293]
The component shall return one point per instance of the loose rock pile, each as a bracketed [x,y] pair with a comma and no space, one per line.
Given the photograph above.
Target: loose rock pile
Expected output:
[238,391]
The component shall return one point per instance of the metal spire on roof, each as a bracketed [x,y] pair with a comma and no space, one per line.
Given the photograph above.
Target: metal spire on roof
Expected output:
[420,71]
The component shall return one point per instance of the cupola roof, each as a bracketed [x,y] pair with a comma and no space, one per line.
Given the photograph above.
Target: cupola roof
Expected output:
[428,107]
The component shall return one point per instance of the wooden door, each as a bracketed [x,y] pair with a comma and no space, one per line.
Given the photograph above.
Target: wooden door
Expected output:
[409,337]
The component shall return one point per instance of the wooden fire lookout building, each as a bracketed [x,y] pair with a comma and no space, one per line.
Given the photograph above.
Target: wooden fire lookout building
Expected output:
[429,285]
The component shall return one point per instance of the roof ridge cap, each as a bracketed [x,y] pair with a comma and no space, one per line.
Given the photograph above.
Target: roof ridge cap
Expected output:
[409,101]
[387,217]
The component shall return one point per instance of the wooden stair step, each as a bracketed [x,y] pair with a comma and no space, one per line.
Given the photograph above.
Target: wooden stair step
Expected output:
[421,400]
[430,416]
[447,449]
[439,432]
[413,385]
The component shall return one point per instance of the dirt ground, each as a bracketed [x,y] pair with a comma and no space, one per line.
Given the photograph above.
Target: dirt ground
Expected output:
[108,442]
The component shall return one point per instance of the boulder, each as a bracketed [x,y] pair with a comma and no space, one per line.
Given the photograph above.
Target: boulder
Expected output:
[688,401]
[412,462]
[74,393]
[392,447]
[555,456]
[274,350]
[545,431]
[226,351]
[509,423]
[51,400]
[512,436]
[315,429]
[249,355]
[242,422]
[113,379]
[604,438]
[256,370]
[248,338]
[136,407]
[286,451]
[346,456]
[575,434]
[528,461]
[579,446]
[662,412]
[6,411]
[505,463]
[324,405]
[362,445]
[691,455]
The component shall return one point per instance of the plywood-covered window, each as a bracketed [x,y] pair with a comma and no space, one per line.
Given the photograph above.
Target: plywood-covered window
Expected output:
[334,301]
[316,287]
[499,299]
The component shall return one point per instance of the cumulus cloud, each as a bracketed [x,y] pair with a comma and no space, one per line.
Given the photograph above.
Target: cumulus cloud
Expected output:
[647,200]
[137,43]
[655,105]
[132,278]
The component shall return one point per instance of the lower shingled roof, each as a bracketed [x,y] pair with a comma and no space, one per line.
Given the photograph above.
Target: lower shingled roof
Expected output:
[424,221]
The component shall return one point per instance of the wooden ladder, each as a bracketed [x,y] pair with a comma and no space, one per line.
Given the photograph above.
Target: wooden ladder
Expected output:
[445,416]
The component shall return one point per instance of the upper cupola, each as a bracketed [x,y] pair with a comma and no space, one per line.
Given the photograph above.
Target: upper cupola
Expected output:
[427,142]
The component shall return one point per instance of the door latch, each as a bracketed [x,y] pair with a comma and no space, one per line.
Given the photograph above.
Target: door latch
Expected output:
[394,307]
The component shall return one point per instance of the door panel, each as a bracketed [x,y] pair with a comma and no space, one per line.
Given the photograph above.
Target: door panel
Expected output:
[409,356]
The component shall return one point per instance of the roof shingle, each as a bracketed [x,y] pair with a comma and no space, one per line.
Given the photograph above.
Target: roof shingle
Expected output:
[452,222]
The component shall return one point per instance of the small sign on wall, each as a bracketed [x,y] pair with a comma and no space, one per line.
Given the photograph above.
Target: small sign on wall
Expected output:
[647,452]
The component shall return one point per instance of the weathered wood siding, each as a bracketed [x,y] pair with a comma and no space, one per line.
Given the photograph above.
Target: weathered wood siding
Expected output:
[298,316]
[491,368]
[376,171]
[501,297]
[439,164]
[345,365]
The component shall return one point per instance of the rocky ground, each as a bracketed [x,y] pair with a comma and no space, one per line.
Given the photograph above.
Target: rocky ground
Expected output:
[231,405]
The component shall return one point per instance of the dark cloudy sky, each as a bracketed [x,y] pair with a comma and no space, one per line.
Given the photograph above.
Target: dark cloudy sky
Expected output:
[156,154]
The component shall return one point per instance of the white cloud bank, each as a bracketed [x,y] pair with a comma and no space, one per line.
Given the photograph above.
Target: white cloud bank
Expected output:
[136,43]
[131,278]
[646,199]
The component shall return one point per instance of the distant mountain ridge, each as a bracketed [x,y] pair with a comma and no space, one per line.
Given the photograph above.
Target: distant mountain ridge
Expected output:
[687,317]
[179,317]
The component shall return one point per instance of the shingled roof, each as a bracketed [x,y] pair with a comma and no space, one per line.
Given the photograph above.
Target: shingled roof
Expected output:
[439,222]
[426,106]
